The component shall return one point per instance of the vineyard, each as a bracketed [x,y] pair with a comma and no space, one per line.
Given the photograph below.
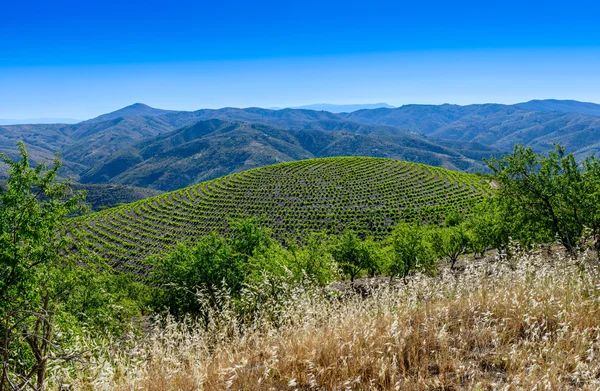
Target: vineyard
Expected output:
[369,195]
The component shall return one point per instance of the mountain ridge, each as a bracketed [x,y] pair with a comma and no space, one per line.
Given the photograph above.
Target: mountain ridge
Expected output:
[452,136]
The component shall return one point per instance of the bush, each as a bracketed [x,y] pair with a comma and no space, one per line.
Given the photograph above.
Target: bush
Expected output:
[354,255]
[409,250]
[449,242]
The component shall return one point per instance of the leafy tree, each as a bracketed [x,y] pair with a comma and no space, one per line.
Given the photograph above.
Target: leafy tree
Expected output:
[488,227]
[34,274]
[248,237]
[449,242]
[47,296]
[352,255]
[410,250]
[313,259]
[179,274]
[376,256]
[547,196]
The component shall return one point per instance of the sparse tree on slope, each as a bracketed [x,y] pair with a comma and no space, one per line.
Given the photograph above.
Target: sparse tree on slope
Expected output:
[410,251]
[352,254]
[449,242]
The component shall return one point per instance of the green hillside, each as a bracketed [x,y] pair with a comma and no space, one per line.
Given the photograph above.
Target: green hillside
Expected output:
[369,195]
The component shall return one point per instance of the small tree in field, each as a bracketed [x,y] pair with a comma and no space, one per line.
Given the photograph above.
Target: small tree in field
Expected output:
[449,242]
[488,227]
[33,272]
[410,250]
[352,255]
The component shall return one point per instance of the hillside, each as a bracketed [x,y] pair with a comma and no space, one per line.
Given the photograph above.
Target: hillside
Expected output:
[113,148]
[214,148]
[369,195]
[494,125]
[130,111]
[565,106]
[108,196]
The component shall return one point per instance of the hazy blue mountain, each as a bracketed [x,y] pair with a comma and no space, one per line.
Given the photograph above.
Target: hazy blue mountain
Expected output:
[564,106]
[499,126]
[131,110]
[333,108]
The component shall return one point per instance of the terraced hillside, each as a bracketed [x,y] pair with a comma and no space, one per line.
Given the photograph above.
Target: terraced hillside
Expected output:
[367,194]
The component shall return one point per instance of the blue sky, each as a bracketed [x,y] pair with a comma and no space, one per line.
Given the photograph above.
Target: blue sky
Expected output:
[80,59]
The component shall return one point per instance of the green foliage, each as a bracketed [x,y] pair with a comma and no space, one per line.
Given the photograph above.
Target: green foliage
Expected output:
[46,297]
[246,258]
[33,207]
[313,259]
[409,250]
[453,219]
[488,227]
[449,242]
[354,255]
[547,196]
[208,265]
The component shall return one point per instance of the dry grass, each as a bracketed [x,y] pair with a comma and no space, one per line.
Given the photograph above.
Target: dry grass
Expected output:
[530,325]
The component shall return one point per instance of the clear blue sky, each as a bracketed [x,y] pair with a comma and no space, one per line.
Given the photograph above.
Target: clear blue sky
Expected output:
[80,59]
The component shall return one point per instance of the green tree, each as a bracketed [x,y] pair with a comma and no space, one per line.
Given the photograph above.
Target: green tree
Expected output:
[488,227]
[449,242]
[179,274]
[547,196]
[352,254]
[410,250]
[313,259]
[34,273]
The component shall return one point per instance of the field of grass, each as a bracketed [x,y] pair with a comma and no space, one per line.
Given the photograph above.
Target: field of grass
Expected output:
[532,323]
[368,195]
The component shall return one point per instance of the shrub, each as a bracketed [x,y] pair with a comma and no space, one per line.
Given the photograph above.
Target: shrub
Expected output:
[410,250]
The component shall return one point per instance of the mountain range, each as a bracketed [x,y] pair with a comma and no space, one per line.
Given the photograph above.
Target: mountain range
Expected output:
[165,149]
[332,108]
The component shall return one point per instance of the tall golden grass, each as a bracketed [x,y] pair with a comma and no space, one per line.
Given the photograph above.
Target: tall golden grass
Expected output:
[529,324]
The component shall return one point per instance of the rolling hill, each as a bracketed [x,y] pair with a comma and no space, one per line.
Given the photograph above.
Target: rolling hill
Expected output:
[108,196]
[366,194]
[494,125]
[214,148]
[136,109]
[333,108]
[564,106]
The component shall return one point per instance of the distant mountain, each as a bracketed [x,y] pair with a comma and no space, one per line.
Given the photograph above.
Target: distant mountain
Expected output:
[95,140]
[332,108]
[495,125]
[4,121]
[564,106]
[213,148]
[132,110]
[140,145]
